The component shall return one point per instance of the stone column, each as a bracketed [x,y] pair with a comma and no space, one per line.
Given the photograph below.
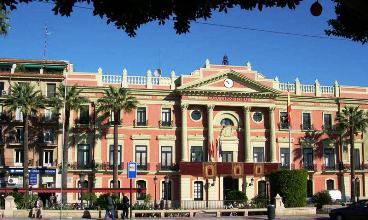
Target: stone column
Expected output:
[272,135]
[210,130]
[184,139]
[247,148]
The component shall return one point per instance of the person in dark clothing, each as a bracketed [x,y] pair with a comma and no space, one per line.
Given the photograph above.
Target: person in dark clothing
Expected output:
[110,207]
[125,206]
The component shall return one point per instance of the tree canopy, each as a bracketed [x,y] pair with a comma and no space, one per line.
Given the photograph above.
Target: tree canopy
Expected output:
[351,20]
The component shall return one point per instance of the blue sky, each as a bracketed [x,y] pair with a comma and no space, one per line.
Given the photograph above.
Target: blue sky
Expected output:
[88,42]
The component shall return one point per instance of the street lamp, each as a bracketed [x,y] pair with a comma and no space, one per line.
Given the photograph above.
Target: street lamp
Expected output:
[81,183]
[166,178]
[155,182]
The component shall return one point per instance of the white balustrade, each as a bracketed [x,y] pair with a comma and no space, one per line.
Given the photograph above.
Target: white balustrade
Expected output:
[327,89]
[308,88]
[287,87]
[137,80]
[111,79]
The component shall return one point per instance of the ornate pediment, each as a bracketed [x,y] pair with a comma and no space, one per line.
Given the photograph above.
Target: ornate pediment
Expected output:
[228,82]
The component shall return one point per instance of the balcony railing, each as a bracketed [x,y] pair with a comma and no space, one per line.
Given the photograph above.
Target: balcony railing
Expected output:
[172,167]
[109,166]
[283,126]
[306,127]
[329,167]
[52,164]
[140,123]
[166,124]
[142,167]
[310,167]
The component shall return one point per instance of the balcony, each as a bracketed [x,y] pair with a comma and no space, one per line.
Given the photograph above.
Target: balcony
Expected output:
[108,166]
[330,167]
[310,167]
[283,126]
[162,167]
[306,127]
[42,164]
[77,166]
[140,123]
[142,167]
[166,124]
[51,118]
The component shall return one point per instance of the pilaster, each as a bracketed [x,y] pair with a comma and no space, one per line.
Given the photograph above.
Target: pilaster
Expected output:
[184,138]
[124,80]
[317,88]
[247,147]
[272,134]
[210,131]
[337,89]
[298,90]
[99,77]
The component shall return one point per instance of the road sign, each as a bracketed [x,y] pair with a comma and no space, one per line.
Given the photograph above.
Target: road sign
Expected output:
[132,170]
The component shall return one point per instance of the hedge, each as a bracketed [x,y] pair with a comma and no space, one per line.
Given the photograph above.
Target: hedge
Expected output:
[291,185]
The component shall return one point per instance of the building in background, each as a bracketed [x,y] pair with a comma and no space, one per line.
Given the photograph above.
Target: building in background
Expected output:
[218,129]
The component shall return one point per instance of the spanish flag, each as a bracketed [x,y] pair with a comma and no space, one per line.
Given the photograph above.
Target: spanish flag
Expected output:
[289,110]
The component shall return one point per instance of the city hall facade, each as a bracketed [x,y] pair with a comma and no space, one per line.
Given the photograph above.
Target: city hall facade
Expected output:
[219,128]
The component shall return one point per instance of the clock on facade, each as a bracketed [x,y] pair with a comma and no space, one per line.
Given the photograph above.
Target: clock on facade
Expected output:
[228,83]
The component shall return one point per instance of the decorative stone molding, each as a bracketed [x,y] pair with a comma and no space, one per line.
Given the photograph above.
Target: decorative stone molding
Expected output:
[284,140]
[141,137]
[166,137]
[184,106]
[307,142]
[196,138]
[258,139]
[111,136]
[328,142]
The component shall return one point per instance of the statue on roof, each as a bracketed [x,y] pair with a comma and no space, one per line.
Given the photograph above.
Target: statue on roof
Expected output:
[225,60]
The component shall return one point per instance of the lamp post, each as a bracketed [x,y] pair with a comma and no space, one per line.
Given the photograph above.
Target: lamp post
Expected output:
[81,183]
[155,182]
[166,178]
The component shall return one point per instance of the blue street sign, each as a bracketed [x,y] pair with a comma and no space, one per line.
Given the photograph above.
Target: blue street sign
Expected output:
[32,178]
[132,170]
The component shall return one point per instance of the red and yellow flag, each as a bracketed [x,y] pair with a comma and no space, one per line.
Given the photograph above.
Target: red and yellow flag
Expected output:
[289,109]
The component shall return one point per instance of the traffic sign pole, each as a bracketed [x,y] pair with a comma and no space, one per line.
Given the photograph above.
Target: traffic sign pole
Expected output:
[132,174]
[131,197]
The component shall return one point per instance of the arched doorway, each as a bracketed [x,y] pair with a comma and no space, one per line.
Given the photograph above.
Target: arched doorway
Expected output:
[230,184]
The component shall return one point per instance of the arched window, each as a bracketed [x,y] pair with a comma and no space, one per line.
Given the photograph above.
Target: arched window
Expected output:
[330,184]
[226,122]
[112,184]
[141,184]
[198,190]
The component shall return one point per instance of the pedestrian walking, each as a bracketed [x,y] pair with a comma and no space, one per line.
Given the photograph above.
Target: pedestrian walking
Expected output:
[110,207]
[126,205]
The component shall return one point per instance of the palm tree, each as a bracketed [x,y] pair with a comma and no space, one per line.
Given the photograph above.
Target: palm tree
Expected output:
[112,103]
[72,101]
[24,98]
[350,121]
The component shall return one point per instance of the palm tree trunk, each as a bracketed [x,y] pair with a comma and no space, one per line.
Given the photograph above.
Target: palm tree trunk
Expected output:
[25,154]
[352,164]
[64,176]
[115,155]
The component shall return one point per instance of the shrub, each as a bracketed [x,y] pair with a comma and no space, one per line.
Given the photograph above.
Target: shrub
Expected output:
[322,198]
[291,185]
[22,201]
[237,196]
[260,201]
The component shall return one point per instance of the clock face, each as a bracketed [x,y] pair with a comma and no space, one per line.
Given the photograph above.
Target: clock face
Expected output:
[228,83]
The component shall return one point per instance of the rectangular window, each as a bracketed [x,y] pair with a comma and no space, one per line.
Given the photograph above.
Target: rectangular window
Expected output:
[166,191]
[141,116]
[19,137]
[285,157]
[227,156]
[327,121]
[49,137]
[330,184]
[50,115]
[258,154]
[198,190]
[48,157]
[84,114]
[18,157]
[196,154]
[166,117]
[284,124]
[83,155]
[329,156]
[308,158]
[18,115]
[141,157]
[141,184]
[356,159]
[166,157]
[307,125]
[2,88]
[112,118]
[111,157]
[51,90]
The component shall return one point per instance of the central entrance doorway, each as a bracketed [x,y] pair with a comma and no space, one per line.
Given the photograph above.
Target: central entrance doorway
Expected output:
[230,184]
